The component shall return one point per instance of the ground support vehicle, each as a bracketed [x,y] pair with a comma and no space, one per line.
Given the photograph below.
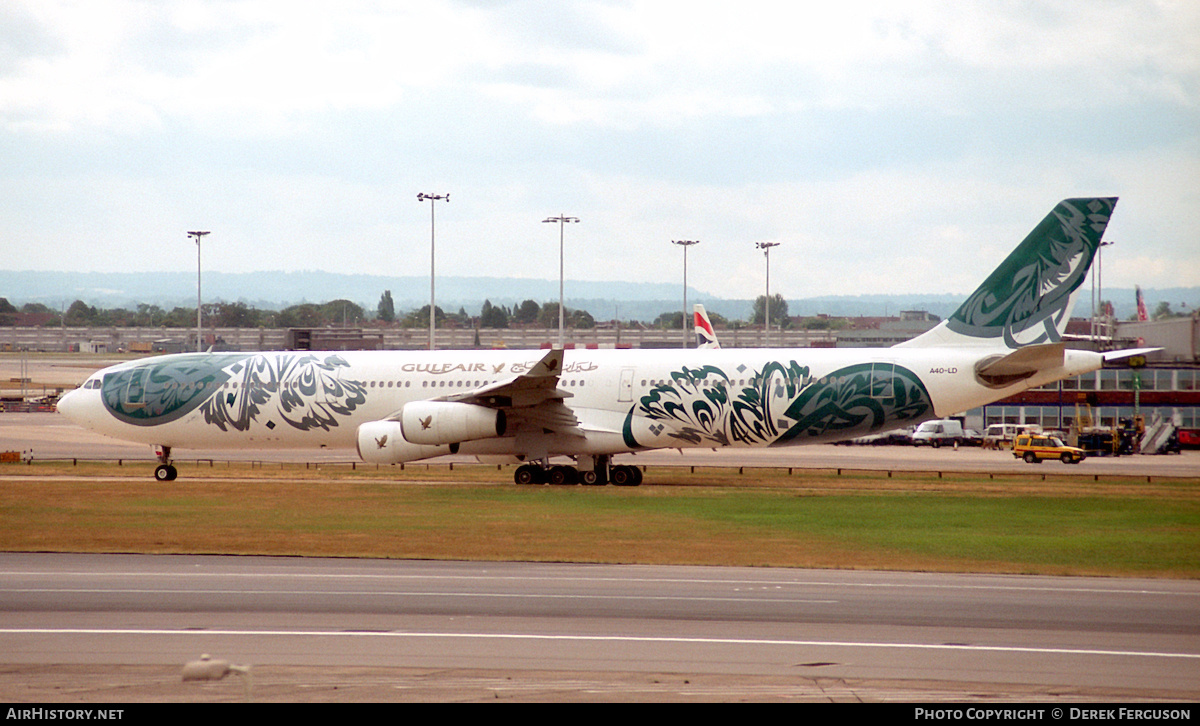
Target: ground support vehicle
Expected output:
[1035,449]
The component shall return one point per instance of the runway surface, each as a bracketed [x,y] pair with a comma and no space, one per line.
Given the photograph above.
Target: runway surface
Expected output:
[120,627]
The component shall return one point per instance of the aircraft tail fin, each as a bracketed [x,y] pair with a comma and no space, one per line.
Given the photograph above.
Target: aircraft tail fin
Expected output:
[705,337]
[1029,297]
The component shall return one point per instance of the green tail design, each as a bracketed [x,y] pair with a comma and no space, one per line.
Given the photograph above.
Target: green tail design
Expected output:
[1028,299]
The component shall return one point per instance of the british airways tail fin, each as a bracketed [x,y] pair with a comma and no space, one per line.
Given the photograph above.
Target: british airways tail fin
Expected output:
[705,337]
[1028,299]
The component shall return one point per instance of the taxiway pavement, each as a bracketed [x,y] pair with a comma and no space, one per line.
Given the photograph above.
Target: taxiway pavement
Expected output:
[328,629]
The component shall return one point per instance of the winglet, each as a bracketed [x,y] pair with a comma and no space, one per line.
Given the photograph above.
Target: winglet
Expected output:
[551,364]
[1029,297]
[536,382]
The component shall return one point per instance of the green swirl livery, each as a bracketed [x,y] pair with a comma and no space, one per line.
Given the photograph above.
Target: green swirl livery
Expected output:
[783,405]
[232,390]
[166,390]
[1028,299]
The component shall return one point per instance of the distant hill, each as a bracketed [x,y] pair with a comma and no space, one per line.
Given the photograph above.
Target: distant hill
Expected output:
[604,300]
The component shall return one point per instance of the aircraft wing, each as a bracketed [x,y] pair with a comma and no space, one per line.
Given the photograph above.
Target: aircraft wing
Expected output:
[530,399]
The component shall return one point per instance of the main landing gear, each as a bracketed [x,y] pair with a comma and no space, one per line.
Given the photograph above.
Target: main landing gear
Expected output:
[602,473]
[165,471]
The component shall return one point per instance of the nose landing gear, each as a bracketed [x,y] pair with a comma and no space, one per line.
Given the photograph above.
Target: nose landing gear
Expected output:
[165,471]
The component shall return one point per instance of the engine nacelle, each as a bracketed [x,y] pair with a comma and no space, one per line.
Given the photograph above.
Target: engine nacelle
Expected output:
[382,442]
[443,422]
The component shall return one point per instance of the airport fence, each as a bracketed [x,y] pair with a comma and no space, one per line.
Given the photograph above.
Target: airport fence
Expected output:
[446,468]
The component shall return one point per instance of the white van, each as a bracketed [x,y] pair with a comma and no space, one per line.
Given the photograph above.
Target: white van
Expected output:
[1000,436]
[936,433]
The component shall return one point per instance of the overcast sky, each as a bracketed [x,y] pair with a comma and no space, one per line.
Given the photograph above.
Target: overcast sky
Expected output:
[888,147]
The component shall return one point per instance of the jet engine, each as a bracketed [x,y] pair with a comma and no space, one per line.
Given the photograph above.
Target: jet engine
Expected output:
[381,442]
[443,422]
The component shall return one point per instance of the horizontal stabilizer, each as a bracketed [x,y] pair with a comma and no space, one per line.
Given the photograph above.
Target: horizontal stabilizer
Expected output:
[1129,353]
[1021,363]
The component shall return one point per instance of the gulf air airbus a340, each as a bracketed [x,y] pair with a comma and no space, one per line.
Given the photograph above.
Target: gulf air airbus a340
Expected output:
[530,406]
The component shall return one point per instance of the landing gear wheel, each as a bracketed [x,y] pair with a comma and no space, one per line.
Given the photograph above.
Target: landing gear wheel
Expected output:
[626,476]
[165,472]
[589,477]
[560,475]
[527,474]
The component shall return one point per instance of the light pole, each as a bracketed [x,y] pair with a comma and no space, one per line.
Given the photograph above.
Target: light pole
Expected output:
[199,337]
[432,198]
[766,248]
[1100,285]
[562,221]
[685,243]
[1098,272]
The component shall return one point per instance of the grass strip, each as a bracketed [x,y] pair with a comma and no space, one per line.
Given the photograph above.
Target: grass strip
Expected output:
[821,520]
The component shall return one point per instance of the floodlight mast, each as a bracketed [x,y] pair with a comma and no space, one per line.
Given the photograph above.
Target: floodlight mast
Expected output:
[685,243]
[1097,327]
[199,336]
[562,221]
[766,248]
[421,197]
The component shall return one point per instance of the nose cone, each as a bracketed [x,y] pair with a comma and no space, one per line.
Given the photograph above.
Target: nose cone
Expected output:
[71,406]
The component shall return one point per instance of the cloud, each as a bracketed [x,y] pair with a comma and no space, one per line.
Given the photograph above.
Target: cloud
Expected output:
[889,147]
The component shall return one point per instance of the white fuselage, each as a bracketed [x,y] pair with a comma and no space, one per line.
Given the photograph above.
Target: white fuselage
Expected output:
[623,400]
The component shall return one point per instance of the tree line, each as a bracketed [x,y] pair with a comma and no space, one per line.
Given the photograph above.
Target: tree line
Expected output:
[222,315]
[346,313]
